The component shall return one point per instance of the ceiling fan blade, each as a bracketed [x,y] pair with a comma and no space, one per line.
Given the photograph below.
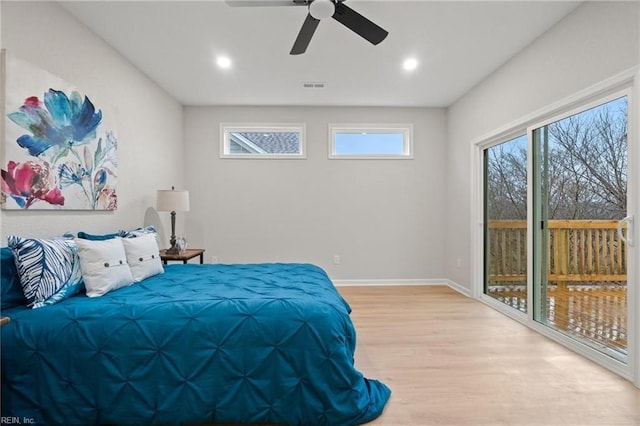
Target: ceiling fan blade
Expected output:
[253,3]
[304,36]
[359,24]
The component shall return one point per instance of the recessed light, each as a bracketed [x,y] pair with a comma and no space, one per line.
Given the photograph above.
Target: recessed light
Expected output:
[223,62]
[410,64]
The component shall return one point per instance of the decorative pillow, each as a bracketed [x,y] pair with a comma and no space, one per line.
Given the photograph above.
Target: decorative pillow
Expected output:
[49,269]
[143,256]
[104,265]
[137,232]
[12,294]
[96,237]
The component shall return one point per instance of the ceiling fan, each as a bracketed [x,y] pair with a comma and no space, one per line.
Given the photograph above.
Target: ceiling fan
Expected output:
[322,9]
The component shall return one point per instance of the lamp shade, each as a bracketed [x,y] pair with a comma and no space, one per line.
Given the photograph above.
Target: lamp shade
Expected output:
[171,200]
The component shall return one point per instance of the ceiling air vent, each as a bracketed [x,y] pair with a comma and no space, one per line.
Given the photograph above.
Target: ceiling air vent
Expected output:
[312,85]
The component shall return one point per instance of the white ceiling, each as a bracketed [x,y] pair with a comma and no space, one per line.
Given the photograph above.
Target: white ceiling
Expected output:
[458,44]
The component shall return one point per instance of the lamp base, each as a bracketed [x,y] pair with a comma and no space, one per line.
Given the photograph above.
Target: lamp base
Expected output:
[173,250]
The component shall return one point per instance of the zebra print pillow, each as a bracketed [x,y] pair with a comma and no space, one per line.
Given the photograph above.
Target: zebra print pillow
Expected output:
[49,269]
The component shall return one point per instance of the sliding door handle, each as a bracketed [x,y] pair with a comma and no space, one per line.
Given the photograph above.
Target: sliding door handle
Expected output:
[629,238]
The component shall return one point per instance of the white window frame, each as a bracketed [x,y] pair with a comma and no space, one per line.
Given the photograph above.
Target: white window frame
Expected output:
[405,129]
[227,128]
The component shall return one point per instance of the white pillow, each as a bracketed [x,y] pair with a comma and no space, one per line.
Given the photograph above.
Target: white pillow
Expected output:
[104,265]
[143,256]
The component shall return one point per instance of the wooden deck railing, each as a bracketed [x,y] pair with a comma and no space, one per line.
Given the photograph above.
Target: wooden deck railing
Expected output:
[582,251]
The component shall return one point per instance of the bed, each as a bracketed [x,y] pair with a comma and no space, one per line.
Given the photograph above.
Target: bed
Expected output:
[261,343]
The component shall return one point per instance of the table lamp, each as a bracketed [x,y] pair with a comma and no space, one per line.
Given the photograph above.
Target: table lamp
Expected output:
[171,201]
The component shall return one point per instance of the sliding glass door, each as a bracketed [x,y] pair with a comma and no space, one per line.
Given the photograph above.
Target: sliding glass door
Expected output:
[579,180]
[505,223]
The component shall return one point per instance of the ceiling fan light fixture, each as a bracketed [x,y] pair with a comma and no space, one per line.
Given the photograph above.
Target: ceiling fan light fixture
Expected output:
[322,9]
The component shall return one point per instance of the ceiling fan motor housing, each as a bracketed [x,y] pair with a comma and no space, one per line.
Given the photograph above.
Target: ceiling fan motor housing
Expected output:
[322,9]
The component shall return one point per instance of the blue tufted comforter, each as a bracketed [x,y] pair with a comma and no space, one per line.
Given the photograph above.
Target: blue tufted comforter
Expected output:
[264,343]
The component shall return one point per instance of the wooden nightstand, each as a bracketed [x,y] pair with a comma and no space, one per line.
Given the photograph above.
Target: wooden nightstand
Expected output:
[184,257]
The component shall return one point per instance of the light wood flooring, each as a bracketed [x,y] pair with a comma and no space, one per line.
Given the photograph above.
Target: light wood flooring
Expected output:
[451,360]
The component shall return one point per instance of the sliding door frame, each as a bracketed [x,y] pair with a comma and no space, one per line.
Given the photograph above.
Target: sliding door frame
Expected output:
[626,83]
[478,291]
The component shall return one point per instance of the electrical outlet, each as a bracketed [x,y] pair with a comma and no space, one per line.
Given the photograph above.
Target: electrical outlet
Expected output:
[336,259]
[214,259]
[459,262]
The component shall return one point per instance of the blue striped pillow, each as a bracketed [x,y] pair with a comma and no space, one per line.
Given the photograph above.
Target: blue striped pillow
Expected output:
[49,269]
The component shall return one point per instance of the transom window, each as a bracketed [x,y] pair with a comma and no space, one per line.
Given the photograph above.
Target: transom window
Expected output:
[241,140]
[386,141]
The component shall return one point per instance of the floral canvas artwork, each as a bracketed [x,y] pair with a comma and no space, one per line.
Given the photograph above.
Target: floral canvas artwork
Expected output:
[60,146]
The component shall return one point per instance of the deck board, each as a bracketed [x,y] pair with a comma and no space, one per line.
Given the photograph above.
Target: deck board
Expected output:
[597,313]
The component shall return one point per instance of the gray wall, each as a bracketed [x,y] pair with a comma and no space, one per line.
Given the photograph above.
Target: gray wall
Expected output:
[388,220]
[597,41]
[149,121]
[382,217]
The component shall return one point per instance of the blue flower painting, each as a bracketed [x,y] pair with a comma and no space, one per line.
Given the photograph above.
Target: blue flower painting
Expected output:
[61,153]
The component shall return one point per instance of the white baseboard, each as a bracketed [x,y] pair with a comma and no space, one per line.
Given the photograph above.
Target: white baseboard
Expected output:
[402,282]
[459,288]
[378,283]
